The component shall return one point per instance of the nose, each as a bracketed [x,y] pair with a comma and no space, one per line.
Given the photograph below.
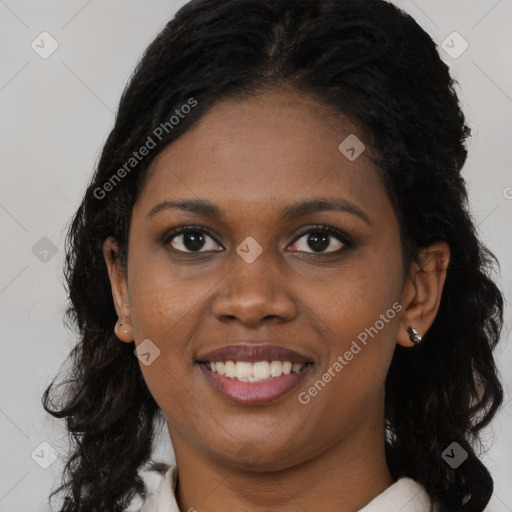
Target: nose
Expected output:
[253,293]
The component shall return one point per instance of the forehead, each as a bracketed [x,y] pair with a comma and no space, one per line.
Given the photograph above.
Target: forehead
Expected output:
[263,150]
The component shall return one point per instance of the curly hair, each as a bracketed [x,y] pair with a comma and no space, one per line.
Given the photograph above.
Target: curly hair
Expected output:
[371,62]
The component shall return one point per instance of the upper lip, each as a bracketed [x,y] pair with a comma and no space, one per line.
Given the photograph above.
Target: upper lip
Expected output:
[253,353]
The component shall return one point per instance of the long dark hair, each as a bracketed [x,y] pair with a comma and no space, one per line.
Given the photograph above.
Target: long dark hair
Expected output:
[367,60]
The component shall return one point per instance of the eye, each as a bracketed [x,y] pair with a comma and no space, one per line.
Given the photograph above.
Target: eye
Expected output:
[195,239]
[191,239]
[319,238]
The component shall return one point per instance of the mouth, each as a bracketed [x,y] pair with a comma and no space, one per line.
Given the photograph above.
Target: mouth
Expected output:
[254,374]
[259,371]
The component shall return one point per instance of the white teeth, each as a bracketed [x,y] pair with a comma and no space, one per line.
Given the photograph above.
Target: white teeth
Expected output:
[243,370]
[258,371]
[229,369]
[287,367]
[276,368]
[261,370]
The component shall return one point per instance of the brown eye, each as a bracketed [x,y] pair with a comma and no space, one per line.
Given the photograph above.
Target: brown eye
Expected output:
[319,239]
[190,239]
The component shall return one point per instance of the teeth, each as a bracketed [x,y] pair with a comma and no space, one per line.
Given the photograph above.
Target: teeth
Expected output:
[254,372]
[229,369]
[243,370]
[276,368]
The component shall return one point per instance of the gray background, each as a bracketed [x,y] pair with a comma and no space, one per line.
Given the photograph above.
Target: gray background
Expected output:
[55,116]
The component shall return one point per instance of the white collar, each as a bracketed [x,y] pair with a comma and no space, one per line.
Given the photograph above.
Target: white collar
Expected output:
[405,495]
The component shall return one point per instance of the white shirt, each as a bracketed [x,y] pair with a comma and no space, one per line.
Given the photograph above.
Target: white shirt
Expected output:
[404,495]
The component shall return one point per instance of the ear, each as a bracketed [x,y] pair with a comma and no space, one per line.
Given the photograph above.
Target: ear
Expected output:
[119,286]
[422,291]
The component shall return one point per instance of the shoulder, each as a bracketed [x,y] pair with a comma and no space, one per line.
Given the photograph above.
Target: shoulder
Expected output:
[160,493]
[405,495]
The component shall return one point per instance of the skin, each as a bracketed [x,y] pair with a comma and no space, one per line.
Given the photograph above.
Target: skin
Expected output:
[252,157]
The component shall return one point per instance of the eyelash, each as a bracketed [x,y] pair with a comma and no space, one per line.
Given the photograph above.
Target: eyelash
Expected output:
[347,241]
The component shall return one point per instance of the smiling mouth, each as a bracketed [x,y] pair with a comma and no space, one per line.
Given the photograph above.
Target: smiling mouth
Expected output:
[257,371]
[254,374]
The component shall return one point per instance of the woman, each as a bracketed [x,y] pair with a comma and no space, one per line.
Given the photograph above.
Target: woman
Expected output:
[279,227]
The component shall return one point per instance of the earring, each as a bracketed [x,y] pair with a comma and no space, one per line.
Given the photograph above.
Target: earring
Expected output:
[126,328]
[414,335]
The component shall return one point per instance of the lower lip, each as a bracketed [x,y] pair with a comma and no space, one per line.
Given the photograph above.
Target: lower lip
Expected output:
[254,393]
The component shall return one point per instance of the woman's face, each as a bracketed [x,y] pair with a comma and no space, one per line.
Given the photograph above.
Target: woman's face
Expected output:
[263,282]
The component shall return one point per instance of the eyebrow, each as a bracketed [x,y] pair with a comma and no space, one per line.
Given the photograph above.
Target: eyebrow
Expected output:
[297,209]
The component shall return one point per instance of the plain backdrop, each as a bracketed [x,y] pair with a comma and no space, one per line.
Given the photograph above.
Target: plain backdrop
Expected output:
[56,113]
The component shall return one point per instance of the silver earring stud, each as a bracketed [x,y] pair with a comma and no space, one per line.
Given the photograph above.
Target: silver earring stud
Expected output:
[414,335]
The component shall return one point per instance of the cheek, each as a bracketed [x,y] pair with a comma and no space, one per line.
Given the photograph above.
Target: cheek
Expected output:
[349,300]
[350,385]
[358,312]
[165,310]
[164,301]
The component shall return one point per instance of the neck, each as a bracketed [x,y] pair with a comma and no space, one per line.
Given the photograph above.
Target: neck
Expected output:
[345,478]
